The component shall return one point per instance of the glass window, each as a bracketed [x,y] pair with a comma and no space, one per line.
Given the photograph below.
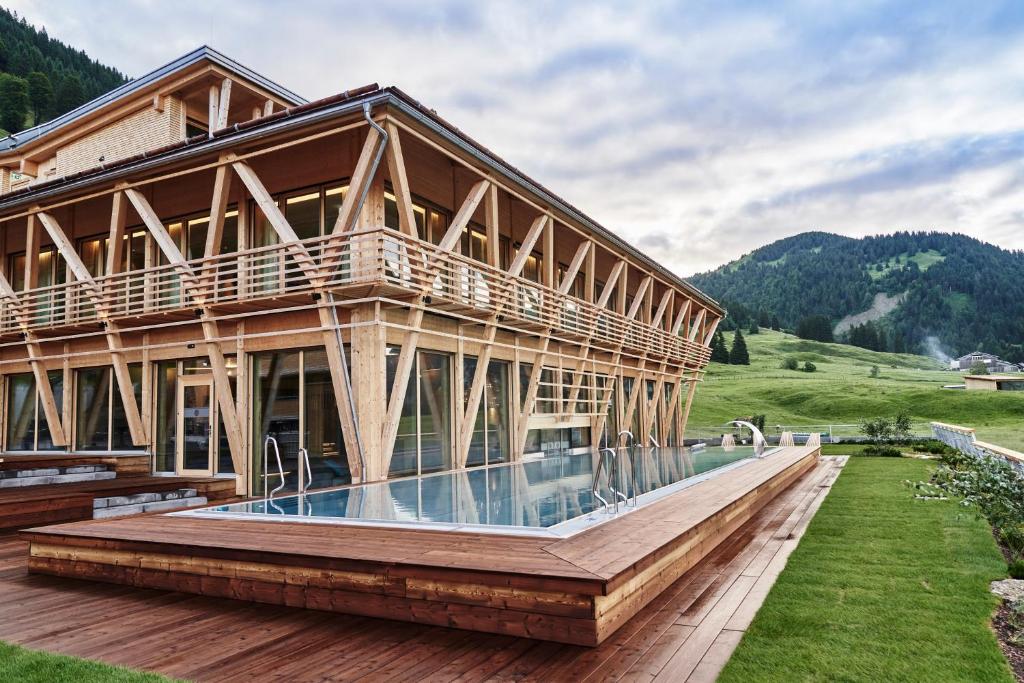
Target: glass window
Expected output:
[276,391]
[92,419]
[303,213]
[491,431]
[100,420]
[424,442]
[323,436]
[166,423]
[27,428]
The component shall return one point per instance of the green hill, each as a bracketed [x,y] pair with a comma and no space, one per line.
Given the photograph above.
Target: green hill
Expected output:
[842,390]
[948,291]
[42,77]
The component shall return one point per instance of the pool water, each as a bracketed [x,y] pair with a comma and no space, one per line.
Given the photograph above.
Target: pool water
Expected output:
[541,494]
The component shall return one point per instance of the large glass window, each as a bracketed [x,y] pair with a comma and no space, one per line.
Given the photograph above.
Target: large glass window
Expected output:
[100,420]
[27,429]
[490,442]
[293,402]
[424,441]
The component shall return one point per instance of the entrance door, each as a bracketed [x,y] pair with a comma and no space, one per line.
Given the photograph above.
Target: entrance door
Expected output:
[195,425]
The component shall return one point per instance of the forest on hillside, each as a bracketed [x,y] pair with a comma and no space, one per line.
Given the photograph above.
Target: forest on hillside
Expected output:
[42,77]
[960,294]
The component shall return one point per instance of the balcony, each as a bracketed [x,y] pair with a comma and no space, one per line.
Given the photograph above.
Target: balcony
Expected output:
[375,262]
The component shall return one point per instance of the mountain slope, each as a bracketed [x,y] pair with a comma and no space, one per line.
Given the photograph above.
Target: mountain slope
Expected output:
[961,292]
[66,77]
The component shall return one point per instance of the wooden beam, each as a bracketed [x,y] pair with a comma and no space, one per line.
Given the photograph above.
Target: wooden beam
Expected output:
[574,267]
[115,243]
[212,111]
[268,107]
[711,331]
[550,258]
[35,354]
[399,181]
[215,228]
[682,316]
[223,104]
[414,323]
[491,225]
[221,379]
[695,325]
[362,176]
[666,298]
[112,333]
[464,215]
[330,336]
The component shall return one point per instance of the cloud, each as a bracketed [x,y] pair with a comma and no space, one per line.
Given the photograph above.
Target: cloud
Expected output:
[697,131]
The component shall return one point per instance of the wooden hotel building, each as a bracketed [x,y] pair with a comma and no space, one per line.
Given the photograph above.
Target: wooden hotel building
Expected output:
[201,259]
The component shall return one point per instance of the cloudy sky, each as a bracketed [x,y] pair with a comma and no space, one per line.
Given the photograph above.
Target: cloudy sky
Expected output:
[696,130]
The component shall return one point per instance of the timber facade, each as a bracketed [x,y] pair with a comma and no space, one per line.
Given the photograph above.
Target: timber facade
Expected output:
[204,261]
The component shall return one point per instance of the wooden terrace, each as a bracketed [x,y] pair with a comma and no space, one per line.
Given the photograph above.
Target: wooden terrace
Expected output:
[576,590]
[686,633]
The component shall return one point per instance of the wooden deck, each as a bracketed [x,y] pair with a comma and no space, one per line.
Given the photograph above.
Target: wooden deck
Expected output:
[576,590]
[685,634]
[68,502]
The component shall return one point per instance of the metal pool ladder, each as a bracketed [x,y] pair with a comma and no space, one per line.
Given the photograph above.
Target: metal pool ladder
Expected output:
[281,469]
[304,503]
[610,477]
[628,448]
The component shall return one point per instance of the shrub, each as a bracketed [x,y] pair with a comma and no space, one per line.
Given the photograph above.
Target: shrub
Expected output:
[986,482]
[901,426]
[810,367]
[932,446]
[882,451]
[1012,536]
[789,364]
[878,430]
[874,371]
[1017,569]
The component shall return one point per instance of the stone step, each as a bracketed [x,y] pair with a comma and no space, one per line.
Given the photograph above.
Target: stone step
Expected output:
[42,480]
[155,506]
[142,498]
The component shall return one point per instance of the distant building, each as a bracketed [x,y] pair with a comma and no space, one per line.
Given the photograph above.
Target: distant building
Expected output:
[994,382]
[991,363]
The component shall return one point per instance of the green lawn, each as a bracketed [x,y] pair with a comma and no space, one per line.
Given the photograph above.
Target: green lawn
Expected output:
[30,666]
[843,392]
[882,587]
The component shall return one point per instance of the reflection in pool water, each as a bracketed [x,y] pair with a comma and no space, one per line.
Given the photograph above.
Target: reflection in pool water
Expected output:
[535,494]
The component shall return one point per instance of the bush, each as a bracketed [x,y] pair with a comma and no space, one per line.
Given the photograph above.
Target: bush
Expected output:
[882,452]
[810,367]
[1012,536]
[1017,569]
[874,371]
[789,364]
[878,430]
[932,447]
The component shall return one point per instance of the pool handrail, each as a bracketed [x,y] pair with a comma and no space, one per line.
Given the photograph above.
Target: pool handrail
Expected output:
[280,468]
[597,478]
[629,445]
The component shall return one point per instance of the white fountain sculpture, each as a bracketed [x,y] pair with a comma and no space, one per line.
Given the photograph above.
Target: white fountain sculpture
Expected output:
[759,441]
[728,442]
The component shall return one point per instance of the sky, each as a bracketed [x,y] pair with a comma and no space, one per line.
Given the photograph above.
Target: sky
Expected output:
[697,131]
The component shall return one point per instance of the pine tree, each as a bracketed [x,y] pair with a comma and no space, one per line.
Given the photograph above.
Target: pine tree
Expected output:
[13,102]
[69,94]
[775,323]
[754,327]
[719,353]
[40,95]
[738,354]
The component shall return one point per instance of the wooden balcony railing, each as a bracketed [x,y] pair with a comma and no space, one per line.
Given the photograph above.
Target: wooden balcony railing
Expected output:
[367,260]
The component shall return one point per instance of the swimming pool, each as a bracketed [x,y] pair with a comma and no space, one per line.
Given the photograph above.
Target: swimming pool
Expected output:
[548,496]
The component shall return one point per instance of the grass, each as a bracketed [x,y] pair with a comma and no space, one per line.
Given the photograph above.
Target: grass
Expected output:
[923,259]
[843,392]
[882,587]
[30,666]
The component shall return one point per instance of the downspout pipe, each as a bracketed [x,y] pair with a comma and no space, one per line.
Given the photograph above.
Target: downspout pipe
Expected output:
[330,295]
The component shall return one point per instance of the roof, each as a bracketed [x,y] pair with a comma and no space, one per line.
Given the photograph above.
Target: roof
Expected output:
[997,378]
[974,354]
[202,53]
[332,107]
